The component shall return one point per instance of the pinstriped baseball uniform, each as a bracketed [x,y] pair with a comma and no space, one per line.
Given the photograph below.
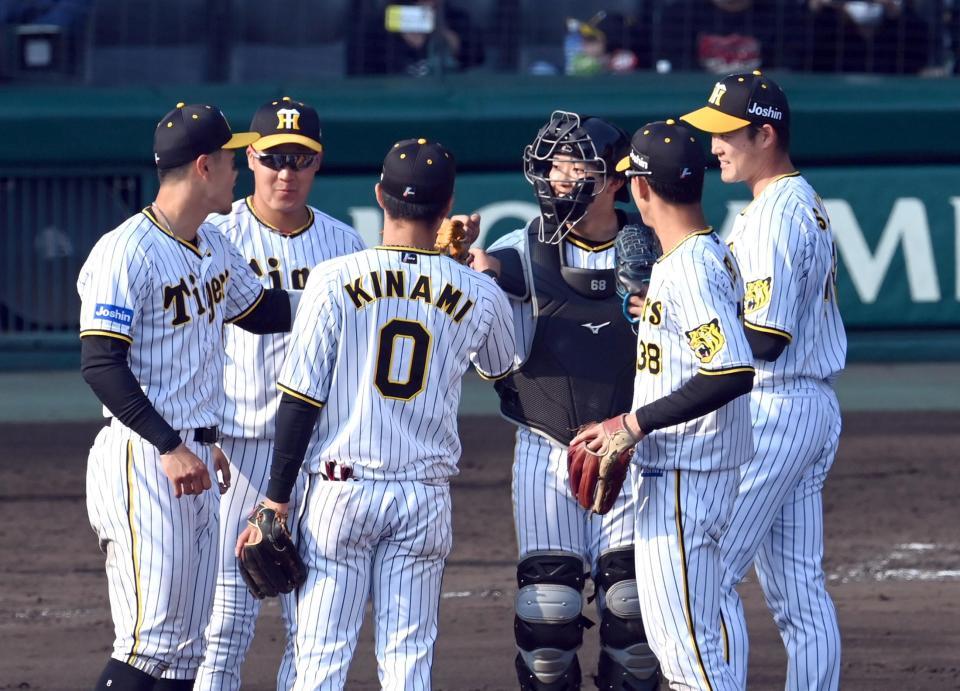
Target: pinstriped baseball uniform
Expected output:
[688,473]
[784,246]
[381,341]
[252,368]
[169,299]
[546,515]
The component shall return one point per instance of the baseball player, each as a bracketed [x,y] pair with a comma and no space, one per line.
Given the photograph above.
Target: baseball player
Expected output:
[282,239]
[371,385]
[690,421]
[155,293]
[558,273]
[784,245]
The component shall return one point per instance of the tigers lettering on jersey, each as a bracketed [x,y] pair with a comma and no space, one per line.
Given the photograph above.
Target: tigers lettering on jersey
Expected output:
[297,276]
[392,284]
[279,260]
[176,297]
[692,324]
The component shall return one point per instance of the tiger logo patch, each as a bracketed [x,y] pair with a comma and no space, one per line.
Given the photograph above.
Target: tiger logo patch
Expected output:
[706,340]
[757,295]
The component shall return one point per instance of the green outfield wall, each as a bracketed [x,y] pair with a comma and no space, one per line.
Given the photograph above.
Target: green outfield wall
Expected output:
[881,152]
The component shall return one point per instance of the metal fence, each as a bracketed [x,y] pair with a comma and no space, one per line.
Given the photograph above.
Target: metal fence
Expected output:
[50,223]
[237,41]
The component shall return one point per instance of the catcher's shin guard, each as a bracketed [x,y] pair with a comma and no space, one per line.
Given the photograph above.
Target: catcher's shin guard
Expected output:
[626,661]
[548,624]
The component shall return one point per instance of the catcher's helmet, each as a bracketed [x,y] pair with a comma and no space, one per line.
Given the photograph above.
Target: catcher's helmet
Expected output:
[637,250]
[570,137]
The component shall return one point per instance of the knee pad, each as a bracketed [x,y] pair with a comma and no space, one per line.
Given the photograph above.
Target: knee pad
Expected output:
[549,624]
[626,661]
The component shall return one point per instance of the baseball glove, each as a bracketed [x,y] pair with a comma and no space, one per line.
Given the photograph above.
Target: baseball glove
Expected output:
[451,240]
[269,563]
[596,477]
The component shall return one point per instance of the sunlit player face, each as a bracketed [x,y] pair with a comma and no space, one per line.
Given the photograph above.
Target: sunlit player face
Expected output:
[567,171]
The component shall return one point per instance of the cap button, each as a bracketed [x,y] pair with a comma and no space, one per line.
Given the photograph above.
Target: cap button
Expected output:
[421,141]
[285,98]
[181,104]
[671,121]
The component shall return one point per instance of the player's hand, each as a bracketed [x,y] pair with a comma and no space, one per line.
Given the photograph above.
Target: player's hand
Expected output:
[593,435]
[481,261]
[249,532]
[471,226]
[635,306]
[187,473]
[222,465]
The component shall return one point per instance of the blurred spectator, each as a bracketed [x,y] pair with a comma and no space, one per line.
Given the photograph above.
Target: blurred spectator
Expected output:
[454,45]
[608,43]
[723,36]
[881,36]
[63,13]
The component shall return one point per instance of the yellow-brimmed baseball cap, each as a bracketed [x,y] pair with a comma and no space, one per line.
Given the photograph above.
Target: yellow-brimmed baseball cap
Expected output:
[667,152]
[740,100]
[285,121]
[189,131]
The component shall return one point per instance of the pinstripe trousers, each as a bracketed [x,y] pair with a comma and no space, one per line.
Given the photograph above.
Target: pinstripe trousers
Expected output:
[161,552]
[235,610]
[680,518]
[777,525]
[386,540]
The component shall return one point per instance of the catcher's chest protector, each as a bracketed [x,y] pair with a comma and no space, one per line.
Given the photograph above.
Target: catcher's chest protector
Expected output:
[581,364]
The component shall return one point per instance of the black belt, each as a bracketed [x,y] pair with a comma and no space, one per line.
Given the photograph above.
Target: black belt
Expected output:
[206,435]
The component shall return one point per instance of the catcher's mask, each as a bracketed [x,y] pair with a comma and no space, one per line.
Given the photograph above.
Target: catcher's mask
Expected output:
[637,250]
[589,144]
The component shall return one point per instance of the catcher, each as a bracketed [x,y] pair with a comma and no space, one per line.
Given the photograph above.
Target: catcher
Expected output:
[689,420]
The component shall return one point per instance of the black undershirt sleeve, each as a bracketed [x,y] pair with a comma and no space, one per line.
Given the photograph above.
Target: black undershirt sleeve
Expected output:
[765,346]
[703,394]
[103,364]
[295,421]
[511,279]
[271,315]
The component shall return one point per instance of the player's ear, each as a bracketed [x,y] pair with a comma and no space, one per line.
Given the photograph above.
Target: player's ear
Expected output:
[201,166]
[379,194]
[449,208]
[250,157]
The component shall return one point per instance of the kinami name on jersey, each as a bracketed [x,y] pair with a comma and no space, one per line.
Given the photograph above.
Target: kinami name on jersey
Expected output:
[398,284]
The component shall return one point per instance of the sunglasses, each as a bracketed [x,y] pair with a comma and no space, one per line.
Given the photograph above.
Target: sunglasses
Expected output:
[280,161]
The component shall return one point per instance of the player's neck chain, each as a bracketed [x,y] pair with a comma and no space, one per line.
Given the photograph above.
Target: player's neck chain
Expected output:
[158,212]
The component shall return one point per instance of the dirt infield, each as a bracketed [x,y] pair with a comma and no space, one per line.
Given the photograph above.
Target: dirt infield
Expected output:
[893,555]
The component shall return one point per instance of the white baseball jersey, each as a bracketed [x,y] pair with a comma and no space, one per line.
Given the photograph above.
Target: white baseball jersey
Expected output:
[280,261]
[250,383]
[380,337]
[169,299]
[784,246]
[692,323]
[687,476]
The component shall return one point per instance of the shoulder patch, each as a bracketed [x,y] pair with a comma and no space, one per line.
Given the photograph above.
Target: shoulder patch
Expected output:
[706,340]
[757,294]
[113,313]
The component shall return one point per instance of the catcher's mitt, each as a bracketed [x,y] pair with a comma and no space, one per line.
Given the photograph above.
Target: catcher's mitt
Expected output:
[451,240]
[269,563]
[596,477]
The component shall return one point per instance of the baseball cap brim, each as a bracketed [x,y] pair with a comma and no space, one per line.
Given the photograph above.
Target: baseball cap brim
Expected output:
[240,140]
[278,139]
[623,164]
[711,120]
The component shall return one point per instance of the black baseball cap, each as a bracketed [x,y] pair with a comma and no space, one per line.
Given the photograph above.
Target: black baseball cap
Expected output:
[666,152]
[190,131]
[738,100]
[418,172]
[285,121]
